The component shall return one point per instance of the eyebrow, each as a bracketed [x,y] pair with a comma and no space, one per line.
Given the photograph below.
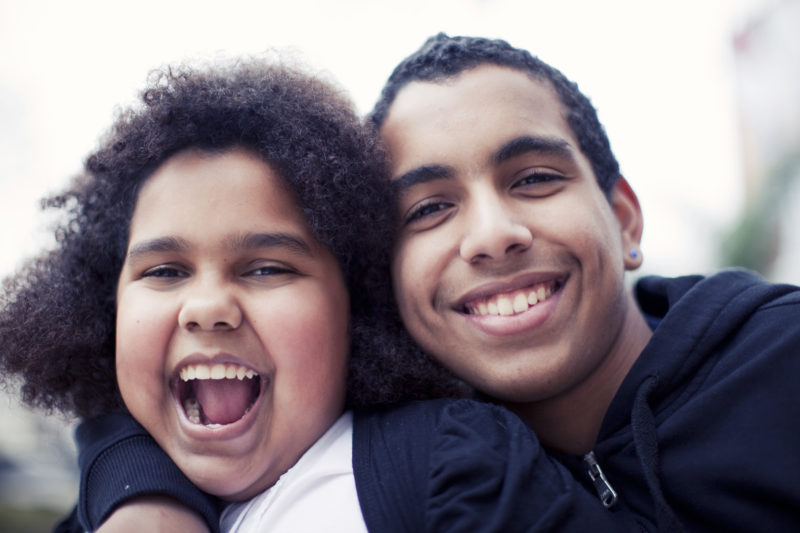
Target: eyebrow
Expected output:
[251,241]
[159,245]
[423,174]
[527,144]
[246,241]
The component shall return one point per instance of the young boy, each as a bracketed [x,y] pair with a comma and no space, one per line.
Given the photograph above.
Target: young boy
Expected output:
[678,399]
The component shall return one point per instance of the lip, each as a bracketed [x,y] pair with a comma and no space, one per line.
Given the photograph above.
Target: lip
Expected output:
[230,431]
[488,290]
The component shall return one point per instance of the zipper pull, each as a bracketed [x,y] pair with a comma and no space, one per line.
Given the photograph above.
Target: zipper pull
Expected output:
[604,489]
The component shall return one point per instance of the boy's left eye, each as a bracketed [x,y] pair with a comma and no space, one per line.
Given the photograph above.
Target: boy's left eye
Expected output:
[538,177]
[539,183]
[270,270]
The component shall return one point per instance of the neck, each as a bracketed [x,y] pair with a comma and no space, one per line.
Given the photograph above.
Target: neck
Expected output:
[570,422]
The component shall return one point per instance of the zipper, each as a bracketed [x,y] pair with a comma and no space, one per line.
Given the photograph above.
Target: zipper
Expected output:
[604,489]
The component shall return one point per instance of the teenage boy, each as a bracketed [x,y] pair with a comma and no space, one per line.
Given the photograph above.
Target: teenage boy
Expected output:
[516,228]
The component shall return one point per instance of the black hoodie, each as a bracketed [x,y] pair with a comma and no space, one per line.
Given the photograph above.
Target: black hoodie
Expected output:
[704,432]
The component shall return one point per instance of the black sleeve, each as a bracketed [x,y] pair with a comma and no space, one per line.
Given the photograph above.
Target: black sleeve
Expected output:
[119,461]
[472,467]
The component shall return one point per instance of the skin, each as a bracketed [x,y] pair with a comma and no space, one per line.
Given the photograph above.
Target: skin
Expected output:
[497,200]
[162,515]
[222,268]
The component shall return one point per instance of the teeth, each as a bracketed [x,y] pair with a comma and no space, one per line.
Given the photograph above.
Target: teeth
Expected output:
[511,303]
[216,371]
[505,306]
[192,409]
[520,303]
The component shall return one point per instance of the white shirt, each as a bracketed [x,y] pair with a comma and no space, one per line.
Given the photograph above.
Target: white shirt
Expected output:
[317,494]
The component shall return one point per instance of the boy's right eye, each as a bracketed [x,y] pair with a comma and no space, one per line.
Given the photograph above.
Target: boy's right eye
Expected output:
[426,210]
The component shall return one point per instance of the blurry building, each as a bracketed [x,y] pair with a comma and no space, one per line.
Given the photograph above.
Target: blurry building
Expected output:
[38,467]
[767,70]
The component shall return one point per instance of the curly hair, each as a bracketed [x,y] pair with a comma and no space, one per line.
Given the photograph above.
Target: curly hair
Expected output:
[442,57]
[57,314]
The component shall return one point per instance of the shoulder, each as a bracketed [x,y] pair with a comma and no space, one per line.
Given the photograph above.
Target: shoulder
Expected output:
[433,418]
[735,286]
[421,465]
[726,334]
[421,442]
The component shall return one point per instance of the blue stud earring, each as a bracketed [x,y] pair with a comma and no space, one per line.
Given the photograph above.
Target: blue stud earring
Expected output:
[634,253]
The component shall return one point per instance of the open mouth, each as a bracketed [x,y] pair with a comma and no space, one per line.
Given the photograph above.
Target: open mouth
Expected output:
[512,302]
[217,394]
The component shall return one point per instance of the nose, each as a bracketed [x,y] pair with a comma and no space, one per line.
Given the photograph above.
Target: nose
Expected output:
[492,230]
[210,306]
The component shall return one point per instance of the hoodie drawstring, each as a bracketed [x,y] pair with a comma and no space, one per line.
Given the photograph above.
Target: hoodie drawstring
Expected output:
[646,441]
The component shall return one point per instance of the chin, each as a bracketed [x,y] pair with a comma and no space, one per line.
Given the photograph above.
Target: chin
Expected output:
[221,480]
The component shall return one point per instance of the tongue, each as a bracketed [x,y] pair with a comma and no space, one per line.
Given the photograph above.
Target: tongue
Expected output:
[223,400]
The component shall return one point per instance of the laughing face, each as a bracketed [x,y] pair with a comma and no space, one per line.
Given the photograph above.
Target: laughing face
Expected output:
[510,259]
[232,322]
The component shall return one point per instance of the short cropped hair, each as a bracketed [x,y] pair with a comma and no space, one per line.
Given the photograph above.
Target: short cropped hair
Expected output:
[57,314]
[442,57]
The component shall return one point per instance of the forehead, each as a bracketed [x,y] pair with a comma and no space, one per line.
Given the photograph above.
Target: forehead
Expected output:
[470,116]
[193,188]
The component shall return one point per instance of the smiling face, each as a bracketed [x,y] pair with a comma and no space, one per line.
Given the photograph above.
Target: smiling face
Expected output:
[232,322]
[510,259]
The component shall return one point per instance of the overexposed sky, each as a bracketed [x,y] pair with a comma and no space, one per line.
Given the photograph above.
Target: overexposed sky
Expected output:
[660,74]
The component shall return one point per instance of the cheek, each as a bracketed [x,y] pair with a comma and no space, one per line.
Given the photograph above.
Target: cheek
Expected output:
[416,271]
[141,347]
[409,296]
[310,379]
[402,250]
[593,235]
[309,344]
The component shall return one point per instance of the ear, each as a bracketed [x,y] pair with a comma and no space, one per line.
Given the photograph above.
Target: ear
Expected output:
[626,208]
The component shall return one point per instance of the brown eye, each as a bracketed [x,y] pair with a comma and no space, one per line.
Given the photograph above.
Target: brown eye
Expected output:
[163,271]
[537,178]
[271,270]
[427,210]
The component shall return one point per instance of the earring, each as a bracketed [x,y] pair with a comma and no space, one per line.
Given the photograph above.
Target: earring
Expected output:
[634,253]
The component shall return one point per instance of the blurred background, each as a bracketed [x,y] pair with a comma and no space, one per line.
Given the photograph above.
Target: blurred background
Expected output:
[700,100]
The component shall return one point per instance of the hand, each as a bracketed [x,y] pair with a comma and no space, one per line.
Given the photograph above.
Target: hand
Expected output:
[156,514]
